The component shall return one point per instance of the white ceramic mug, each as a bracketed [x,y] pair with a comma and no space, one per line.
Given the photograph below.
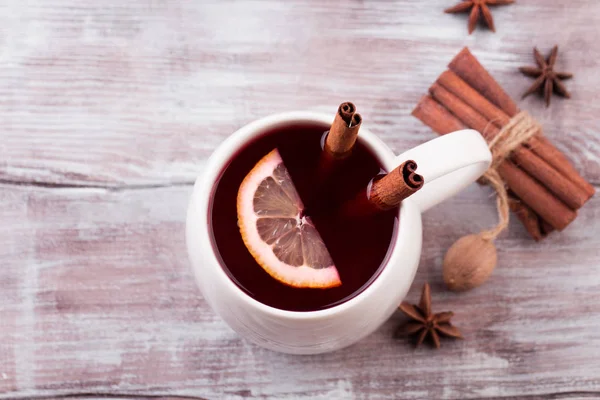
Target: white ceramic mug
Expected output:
[448,164]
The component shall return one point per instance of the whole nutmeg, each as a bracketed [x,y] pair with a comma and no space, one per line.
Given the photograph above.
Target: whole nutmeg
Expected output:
[469,262]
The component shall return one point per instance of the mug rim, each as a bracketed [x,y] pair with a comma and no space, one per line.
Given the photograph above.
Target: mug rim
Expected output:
[206,185]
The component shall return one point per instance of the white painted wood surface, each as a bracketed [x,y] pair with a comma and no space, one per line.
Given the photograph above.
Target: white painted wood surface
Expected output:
[109,110]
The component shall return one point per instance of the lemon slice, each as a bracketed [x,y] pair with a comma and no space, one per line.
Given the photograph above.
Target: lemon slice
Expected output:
[282,240]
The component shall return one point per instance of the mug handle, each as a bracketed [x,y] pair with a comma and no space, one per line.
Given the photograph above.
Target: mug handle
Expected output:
[448,164]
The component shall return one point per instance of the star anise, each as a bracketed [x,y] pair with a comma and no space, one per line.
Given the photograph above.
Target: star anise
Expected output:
[478,8]
[425,323]
[547,80]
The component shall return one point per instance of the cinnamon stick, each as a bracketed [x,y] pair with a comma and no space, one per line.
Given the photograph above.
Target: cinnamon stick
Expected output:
[536,196]
[566,190]
[553,156]
[402,182]
[472,72]
[445,121]
[546,227]
[455,85]
[530,220]
[344,131]
[466,114]
[468,68]
[387,192]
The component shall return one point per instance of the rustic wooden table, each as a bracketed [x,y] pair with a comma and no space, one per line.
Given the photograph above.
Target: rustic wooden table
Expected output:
[108,112]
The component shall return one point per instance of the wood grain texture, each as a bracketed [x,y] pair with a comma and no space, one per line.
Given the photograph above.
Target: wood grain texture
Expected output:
[109,110]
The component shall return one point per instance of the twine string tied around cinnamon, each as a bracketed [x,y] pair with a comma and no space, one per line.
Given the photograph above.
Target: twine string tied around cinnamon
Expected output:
[519,130]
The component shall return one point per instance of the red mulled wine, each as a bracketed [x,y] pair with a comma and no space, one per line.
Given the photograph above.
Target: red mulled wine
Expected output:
[358,246]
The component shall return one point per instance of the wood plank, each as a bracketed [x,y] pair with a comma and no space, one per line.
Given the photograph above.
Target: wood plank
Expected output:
[141,93]
[130,98]
[98,298]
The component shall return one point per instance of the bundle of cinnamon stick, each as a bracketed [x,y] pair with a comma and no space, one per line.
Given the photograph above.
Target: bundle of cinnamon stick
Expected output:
[545,189]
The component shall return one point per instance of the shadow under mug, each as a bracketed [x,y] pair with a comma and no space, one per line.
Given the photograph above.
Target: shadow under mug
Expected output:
[448,164]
